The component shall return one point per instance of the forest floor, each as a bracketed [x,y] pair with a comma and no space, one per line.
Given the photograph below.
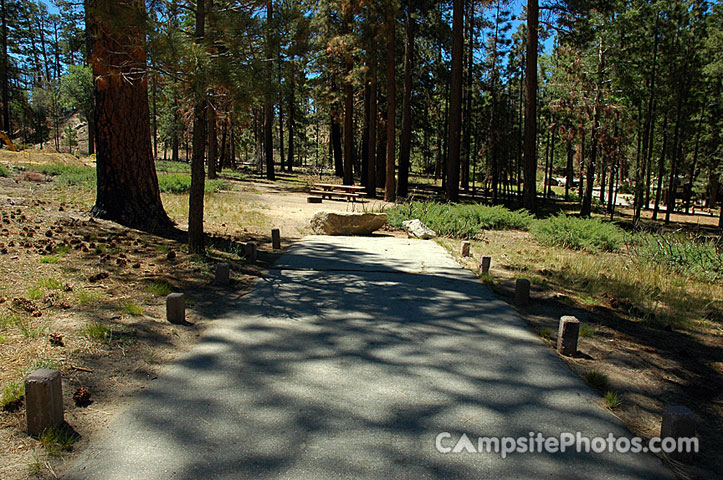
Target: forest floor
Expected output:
[87,297]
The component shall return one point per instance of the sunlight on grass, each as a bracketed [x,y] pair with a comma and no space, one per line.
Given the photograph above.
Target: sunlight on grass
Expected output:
[159,288]
[98,332]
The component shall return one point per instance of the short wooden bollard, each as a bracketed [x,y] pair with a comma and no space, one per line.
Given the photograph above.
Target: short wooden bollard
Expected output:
[313,199]
[567,335]
[251,252]
[484,265]
[276,239]
[176,308]
[464,248]
[678,422]
[522,292]
[223,273]
[43,400]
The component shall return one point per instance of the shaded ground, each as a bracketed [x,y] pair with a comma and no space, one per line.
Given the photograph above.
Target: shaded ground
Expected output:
[346,361]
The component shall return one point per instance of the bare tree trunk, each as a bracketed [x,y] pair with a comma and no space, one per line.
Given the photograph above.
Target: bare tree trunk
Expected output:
[455,102]
[212,141]
[268,101]
[371,168]
[336,147]
[529,193]
[389,187]
[569,170]
[406,138]
[292,120]
[198,173]
[661,168]
[4,73]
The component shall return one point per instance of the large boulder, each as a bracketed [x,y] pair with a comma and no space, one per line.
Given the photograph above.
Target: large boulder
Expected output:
[416,229]
[347,223]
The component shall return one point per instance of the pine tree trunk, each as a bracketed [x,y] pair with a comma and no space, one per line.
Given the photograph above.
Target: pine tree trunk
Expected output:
[268,101]
[568,170]
[336,147]
[389,185]
[529,193]
[405,141]
[365,137]
[4,66]
[371,168]
[292,125]
[127,185]
[455,102]
[198,174]
[282,152]
[212,141]
[661,167]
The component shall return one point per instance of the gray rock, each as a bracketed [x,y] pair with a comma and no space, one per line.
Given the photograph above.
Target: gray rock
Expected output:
[416,229]
[347,223]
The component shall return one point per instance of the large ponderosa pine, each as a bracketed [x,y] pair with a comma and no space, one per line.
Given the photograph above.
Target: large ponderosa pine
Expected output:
[127,190]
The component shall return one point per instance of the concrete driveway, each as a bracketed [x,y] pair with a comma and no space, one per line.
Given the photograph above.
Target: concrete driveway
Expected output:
[346,362]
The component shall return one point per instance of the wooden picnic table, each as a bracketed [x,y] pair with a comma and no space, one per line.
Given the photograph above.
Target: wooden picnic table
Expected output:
[349,192]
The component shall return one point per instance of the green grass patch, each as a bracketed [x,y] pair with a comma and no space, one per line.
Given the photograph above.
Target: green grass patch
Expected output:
[49,363]
[4,171]
[50,284]
[86,297]
[589,234]
[12,392]
[35,293]
[98,332]
[66,175]
[50,259]
[131,308]
[613,400]
[30,329]
[597,380]
[3,339]
[544,333]
[688,254]
[159,288]
[58,438]
[587,330]
[460,221]
[181,183]
[9,319]
[172,167]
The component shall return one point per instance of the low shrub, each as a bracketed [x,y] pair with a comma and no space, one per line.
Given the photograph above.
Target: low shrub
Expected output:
[70,174]
[460,221]
[180,183]
[688,254]
[589,234]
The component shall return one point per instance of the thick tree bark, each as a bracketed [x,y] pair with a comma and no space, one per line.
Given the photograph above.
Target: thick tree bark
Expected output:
[405,141]
[365,136]
[467,111]
[198,173]
[371,160]
[381,166]
[694,162]
[529,193]
[127,185]
[455,102]
[389,185]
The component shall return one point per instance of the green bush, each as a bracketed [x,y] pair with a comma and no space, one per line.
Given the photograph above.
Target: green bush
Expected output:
[698,257]
[180,183]
[590,234]
[69,174]
[461,221]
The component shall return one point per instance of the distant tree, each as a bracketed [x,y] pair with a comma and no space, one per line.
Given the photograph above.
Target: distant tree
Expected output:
[455,103]
[77,88]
